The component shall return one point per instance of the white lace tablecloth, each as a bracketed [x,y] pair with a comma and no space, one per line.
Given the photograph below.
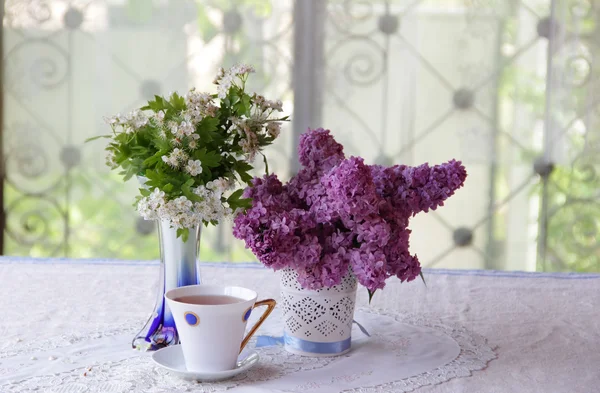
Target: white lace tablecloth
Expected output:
[66,327]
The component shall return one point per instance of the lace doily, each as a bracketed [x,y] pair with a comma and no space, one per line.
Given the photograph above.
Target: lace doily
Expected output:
[475,354]
[140,374]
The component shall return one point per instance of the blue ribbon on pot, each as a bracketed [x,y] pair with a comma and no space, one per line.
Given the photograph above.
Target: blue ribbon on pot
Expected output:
[315,347]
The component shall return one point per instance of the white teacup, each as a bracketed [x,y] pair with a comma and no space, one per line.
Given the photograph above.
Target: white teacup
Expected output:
[211,321]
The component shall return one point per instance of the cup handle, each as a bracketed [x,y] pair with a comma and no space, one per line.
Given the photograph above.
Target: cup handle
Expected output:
[270,303]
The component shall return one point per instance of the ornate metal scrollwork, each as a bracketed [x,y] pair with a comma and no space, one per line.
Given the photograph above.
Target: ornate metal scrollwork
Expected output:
[40,62]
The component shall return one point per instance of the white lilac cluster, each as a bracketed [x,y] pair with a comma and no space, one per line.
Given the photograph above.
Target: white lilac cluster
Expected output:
[273,129]
[182,129]
[199,105]
[130,122]
[249,127]
[267,105]
[110,159]
[183,213]
[245,127]
[194,167]
[226,78]
[176,157]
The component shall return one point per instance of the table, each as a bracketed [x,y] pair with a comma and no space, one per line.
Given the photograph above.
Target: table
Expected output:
[63,316]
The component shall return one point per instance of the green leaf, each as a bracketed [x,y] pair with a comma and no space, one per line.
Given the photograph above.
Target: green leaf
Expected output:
[242,107]
[158,104]
[242,168]
[139,151]
[422,278]
[235,196]
[245,177]
[194,198]
[161,144]
[184,233]
[235,201]
[266,163]
[97,137]
[168,187]
[129,172]
[145,192]
[206,175]
[209,159]
[207,129]
[233,97]
[212,159]
[210,123]
[371,295]
[244,203]
[152,175]
[177,102]
[136,200]
[153,159]
[186,190]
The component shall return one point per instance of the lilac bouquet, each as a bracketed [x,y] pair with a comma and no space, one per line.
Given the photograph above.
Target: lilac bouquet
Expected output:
[338,214]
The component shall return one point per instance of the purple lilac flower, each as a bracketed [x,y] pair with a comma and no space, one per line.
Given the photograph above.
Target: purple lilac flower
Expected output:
[419,188]
[328,272]
[374,230]
[401,264]
[340,214]
[269,192]
[319,151]
[369,265]
[350,189]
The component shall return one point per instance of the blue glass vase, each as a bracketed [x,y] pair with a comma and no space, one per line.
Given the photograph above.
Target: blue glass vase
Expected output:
[178,267]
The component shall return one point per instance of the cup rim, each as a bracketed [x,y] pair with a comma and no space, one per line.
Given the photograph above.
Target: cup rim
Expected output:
[170,298]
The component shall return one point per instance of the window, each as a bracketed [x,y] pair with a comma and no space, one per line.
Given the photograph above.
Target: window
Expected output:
[507,87]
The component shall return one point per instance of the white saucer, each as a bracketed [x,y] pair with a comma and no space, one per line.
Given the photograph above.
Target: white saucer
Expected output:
[171,358]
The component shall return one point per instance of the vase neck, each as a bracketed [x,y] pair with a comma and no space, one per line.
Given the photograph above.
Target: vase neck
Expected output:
[179,258]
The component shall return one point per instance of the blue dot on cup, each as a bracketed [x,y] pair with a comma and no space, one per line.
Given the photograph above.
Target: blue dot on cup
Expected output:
[191,318]
[247,315]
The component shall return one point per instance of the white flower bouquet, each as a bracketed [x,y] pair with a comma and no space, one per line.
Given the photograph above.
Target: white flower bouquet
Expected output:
[194,150]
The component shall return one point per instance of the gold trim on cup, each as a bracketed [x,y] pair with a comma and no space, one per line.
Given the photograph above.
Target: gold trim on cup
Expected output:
[270,303]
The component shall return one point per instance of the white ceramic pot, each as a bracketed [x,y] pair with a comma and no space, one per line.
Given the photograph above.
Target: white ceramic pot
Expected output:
[317,323]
